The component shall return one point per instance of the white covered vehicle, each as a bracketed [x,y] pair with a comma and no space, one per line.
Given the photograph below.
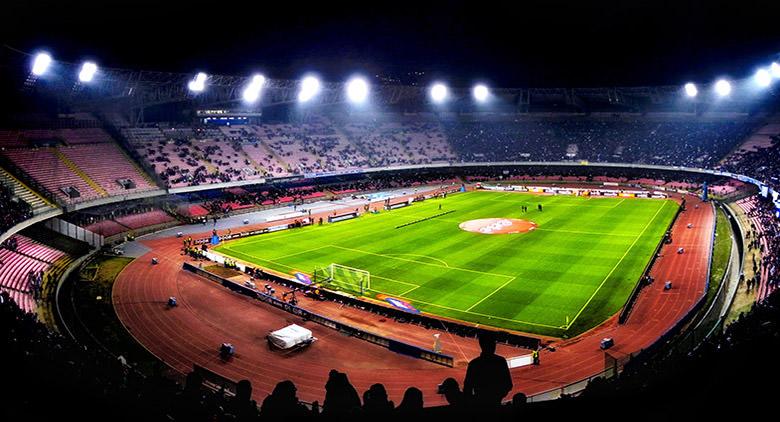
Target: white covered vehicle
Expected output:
[291,336]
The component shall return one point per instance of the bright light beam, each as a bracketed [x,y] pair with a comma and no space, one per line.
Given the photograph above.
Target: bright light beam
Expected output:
[41,64]
[481,93]
[438,93]
[774,68]
[199,83]
[252,91]
[357,90]
[310,87]
[723,87]
[88,70]
[690,90]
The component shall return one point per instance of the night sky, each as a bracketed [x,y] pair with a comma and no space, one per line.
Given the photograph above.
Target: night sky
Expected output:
[511,43]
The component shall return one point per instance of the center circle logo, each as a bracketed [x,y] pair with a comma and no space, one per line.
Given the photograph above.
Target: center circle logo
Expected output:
[497,226]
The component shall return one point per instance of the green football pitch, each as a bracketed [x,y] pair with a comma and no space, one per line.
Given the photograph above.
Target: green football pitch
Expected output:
[572,272]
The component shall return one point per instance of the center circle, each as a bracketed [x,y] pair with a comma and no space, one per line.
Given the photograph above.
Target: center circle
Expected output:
[497,226]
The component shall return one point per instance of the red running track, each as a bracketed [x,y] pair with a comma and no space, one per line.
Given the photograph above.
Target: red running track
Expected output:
[209,314]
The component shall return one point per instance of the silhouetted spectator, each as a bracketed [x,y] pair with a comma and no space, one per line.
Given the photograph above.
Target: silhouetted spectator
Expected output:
[242,406]
[412,403]
[283,404]
[341,398]
[375,400]
[487,378]
[451,391]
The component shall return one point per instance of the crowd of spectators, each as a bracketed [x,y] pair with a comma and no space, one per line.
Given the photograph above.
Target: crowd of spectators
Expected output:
[763,163]
[12,209]
[764,236]
[690,143]
[392,144]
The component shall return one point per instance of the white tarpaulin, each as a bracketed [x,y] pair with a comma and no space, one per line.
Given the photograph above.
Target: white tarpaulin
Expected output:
[290,336]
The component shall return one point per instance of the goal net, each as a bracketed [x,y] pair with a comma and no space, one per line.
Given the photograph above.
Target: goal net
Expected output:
[344,278]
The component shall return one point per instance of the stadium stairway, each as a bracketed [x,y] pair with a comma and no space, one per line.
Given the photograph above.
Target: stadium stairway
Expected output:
[71,165]
[252,163]
[137,166]
[285,165]
[38,203]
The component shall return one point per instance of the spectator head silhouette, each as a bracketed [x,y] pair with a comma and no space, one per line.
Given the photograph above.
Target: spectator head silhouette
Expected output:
[375,399]
[340,396]
[487,379]
[487,342]
[451,390]
[519,400]
[244,390]
[412,401]
[285,392]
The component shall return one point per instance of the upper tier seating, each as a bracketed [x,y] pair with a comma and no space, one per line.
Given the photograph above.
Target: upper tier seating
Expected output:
[105,163]
[45,166]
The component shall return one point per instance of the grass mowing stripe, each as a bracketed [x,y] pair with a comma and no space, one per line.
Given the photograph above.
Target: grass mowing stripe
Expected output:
[616,265]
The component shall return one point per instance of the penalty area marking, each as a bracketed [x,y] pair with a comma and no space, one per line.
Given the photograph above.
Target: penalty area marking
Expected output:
[420,256]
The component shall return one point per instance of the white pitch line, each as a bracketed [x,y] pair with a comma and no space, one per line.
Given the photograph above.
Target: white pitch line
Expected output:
[421,262]
[621,201]
[421,256]
[491,294]
[471,312]
[616,265]
[299,253]
[409,291]
[582,232]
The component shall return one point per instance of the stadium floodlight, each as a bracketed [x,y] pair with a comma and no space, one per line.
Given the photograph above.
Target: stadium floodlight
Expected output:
[438,92]
[310,87]
[357,90]
[481,93]
[41,64]
[690,90]
[723,87]
[88,70]
[199,83]
[762,78]
[774,68]
[252,91]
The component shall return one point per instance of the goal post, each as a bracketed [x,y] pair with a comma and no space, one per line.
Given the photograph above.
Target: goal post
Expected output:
[344,278]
